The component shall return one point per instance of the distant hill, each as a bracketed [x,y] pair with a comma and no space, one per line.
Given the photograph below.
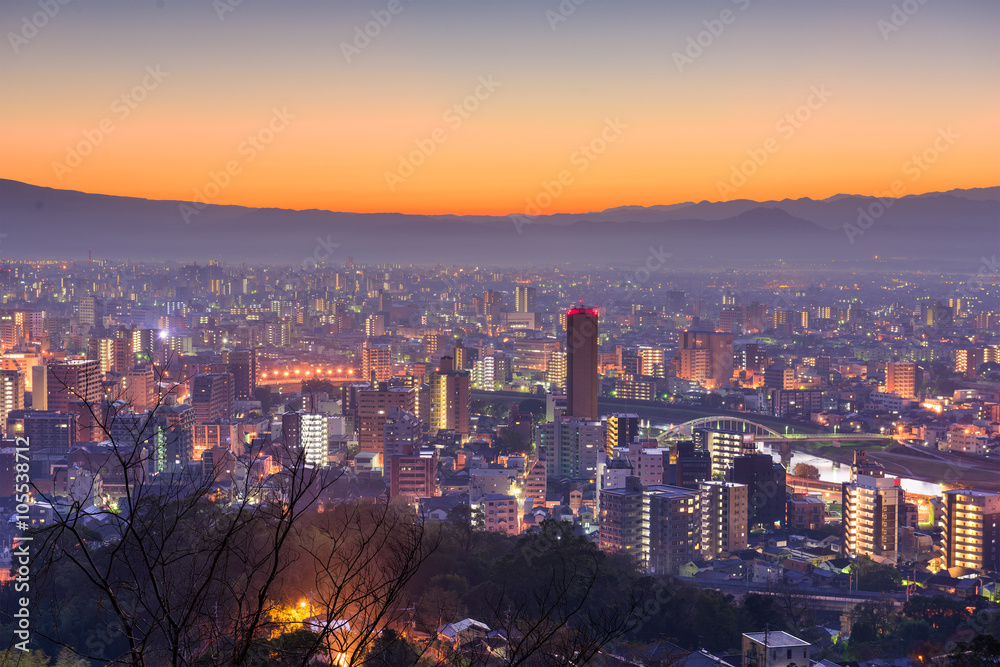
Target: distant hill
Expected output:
[45,223]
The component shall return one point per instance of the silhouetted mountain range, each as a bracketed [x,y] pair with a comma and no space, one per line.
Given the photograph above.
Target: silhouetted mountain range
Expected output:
[954,226]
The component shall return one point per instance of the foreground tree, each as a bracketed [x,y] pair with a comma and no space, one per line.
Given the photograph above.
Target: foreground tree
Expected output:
[250,559]
[193,564]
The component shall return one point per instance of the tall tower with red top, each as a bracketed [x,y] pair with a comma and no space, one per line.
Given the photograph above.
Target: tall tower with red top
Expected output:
[581,363]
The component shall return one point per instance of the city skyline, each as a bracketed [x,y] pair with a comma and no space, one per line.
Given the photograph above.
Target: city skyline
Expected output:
[577,333]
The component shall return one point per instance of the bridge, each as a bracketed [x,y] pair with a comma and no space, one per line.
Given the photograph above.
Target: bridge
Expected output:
[722,423]
[761,433]
[816,598]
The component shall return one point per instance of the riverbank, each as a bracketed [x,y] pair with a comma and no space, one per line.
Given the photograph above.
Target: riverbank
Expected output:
[944,468]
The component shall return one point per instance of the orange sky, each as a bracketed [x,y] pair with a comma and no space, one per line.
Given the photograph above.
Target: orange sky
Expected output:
[670,134]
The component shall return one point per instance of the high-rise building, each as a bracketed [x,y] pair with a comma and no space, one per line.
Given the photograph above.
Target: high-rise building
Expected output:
[755,316]
[139,388]
[492,304]
[534,354]
[524,299]
[212,396]
[658,524]
[724,446]
[177,422]
[796,403]
[581,363]
[373,407]
[651,362]
[902,378]
[413,475]
[822,366]
[629,388]
[434,343]
[376,362]
[450,399]
[144,345]
[15,328]
[465,357]
[113,355]
[689,467]
[570,446]
[73,380]
[779,377]
[11,393]
[871,516]
[535,483]
[49,430]
[765,481]
[724,507]
[402,435]
[620,521]
[968,361]
[307,432]
[969,521]
[804,512]
[89,311]
[705,357]
[39,387]
[622,429]
[555,376]
[375,325]
[490,372]
[243,367]
[731,320]
[648,460]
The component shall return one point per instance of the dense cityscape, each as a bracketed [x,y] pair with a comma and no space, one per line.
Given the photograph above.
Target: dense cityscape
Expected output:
[547,333]
[818,450]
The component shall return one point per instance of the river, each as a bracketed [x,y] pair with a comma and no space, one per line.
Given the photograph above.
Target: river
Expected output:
[832,471]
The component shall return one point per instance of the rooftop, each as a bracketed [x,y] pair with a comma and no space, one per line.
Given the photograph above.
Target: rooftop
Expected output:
[775,639]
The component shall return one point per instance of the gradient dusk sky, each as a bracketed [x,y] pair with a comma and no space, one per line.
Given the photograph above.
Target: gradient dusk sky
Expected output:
[894,76]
